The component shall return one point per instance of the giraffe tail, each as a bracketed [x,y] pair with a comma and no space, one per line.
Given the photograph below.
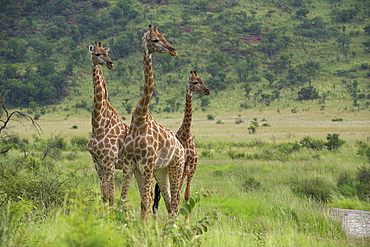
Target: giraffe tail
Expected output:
[157,197]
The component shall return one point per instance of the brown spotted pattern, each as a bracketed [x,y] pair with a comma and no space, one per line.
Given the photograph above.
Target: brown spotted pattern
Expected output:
[150,150]
[108,130]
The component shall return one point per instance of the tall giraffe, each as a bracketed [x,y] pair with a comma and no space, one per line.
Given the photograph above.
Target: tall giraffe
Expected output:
[108,130]
[151,150]
[193,84]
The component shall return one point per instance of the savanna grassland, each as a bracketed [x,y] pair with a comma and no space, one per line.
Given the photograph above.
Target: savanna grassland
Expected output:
[269,188]
[283,137]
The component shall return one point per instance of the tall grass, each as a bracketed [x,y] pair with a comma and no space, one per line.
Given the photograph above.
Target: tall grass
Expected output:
[267,189]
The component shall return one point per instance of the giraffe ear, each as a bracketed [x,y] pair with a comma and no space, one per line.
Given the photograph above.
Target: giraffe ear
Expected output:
[107,50]
[91,49]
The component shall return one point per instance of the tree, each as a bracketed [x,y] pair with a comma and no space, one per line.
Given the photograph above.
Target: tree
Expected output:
[205,101]
[333,142]
[367,29]
[6,116]
[269,77]
[302,13]
[308,93]
[344,40]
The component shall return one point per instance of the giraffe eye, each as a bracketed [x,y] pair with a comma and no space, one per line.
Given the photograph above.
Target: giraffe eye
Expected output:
[155,40]
[195,82]
[97,54]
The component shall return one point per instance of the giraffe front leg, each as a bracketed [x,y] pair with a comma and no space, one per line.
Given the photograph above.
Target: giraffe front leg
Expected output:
[102,179]
[110,184]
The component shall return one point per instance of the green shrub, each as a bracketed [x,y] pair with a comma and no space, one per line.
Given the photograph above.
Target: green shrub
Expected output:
[309,142]
[288,147]
[363,149]
[337,120]
[252,129]
[234,154]
[333,142]
[314,188]
[346,185]
[363,177]
[14,218]
[79,142]
[252,184]
[206,154]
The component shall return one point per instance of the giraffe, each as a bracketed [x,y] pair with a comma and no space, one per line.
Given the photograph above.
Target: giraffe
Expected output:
[193,84]
[150,150]
[108,130]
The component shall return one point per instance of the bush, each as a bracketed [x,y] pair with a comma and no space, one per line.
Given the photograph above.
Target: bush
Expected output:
[363,177]
[337,120]
[363,149]
[42,188]
[309,142]
[314,188]
[252,129]
[288,147]
[252,184]
[234,154]
[346,185]
[308,93]
[80,143]
[333,142]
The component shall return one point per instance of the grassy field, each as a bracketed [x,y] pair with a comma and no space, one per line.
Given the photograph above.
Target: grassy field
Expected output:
[250,189]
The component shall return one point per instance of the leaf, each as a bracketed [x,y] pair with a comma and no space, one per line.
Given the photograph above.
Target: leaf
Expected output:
[188,208]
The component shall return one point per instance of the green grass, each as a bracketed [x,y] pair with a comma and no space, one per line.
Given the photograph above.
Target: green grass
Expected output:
[252,180]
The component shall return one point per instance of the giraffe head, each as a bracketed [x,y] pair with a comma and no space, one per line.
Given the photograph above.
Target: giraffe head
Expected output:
[155,42]
[195,84]
[99,55]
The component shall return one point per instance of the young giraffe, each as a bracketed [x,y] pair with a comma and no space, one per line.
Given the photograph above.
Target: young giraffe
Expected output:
[149,148]
[193,84]
[108,130]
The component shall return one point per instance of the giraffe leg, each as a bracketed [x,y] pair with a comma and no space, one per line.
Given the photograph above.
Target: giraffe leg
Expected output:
[146,195]
[175,170]
[102,179]
[110,184]
[188,184]
[164,186]
[127,176]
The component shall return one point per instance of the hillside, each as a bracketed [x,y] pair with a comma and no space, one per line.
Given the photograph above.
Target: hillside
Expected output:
[251,54]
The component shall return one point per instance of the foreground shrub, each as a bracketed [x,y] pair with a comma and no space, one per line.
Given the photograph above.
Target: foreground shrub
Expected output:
[314,188]
[363,149]
[80,143]
[252,184]
[358,186]
[347,185]
[28,181]
[363,177]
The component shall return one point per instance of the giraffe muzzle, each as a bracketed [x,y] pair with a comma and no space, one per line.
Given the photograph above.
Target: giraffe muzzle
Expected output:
[110,65]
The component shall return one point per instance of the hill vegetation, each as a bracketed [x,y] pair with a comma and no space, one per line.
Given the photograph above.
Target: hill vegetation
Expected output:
[258,53]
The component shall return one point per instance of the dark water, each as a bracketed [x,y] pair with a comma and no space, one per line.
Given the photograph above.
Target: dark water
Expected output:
[356,223]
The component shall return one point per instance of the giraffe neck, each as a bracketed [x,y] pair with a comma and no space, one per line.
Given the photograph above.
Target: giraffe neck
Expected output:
[186,122]
[100,95]
[142,107]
